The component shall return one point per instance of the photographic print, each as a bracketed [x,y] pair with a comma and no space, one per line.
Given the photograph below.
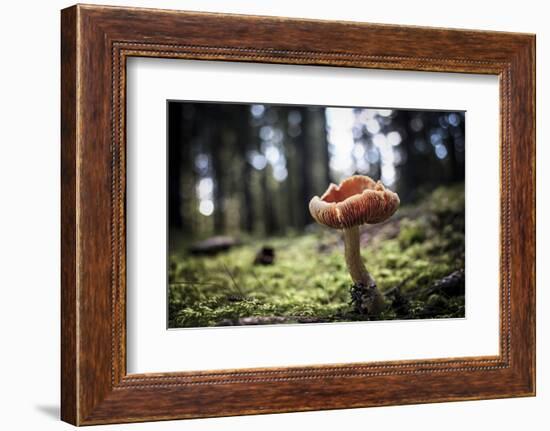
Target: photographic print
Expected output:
[290,214]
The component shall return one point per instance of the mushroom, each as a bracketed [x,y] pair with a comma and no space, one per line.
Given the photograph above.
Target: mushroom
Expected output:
[356,201]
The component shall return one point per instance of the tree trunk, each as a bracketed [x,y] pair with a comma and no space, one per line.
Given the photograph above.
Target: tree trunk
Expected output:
[303,159]
[219,176]
[175,119]
[270,224]
[318,128]
[243,144]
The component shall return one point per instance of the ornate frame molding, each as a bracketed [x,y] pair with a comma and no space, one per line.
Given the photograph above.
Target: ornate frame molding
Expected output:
[96,41]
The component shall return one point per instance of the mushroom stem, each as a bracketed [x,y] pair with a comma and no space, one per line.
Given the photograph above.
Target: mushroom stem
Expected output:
[373,300]
[356,267]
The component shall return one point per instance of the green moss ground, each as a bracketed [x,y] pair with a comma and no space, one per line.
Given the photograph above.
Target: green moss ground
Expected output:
[308,282]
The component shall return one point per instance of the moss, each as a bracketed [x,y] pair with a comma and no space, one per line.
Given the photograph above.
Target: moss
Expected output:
[309,280]
[412,232]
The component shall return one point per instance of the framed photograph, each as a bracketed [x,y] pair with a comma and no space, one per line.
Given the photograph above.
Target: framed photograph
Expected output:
[265,215]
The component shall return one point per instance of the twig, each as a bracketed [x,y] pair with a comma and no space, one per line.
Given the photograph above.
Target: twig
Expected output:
[233,279]
[258,280]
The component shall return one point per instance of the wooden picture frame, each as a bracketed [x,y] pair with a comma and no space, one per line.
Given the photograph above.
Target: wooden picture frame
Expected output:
[95,43]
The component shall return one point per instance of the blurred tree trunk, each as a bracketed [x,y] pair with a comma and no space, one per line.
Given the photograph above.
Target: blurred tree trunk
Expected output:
[407,171]
[270,225]
[290,132]
[305,162]
[218,167]
[289,185]
[270,222]
[175,119]
[318,137]
[188,172]
[452,160]
[419,167]
[244,135]
[457,166]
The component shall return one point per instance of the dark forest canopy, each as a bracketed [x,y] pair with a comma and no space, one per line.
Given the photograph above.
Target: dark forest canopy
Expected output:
[252,168]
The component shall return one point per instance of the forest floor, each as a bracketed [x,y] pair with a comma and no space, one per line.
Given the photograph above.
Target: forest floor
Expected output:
[416,258]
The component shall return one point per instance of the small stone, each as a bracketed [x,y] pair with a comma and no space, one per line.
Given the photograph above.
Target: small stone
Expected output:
[213,245]
[265,256]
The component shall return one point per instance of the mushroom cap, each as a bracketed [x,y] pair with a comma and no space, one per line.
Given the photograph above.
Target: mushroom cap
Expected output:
[356,201]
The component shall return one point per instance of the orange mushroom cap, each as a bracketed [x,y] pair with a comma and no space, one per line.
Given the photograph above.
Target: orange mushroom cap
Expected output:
[356,201]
